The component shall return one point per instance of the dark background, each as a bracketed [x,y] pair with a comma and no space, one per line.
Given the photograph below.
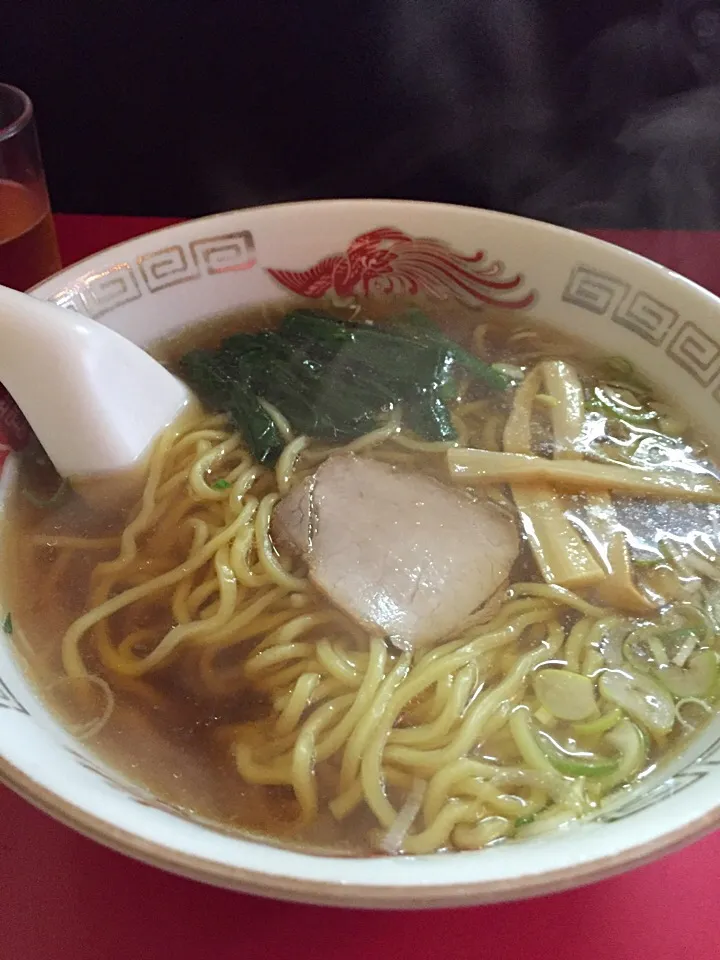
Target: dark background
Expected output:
[583,112]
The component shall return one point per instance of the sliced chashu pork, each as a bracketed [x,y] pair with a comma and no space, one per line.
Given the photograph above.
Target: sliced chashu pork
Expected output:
[396,551]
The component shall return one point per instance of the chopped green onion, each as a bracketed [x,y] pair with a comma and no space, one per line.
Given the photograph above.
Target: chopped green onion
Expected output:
[574,764]
[686,640]
[695,618]
[523,733]
[645,701]
[509,370]
[695,680]
[636,648]
[632,747]
[695,701]
[540,751]
[8,624]
[658,650]
[545,400]
[712,606]
[221,484]
[606,400]
[593,662]
[622,369]
[544,717]
[567,695]
[604,723]
[524,821]
[644,649]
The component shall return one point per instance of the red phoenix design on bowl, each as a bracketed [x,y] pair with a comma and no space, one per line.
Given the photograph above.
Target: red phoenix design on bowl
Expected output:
[387,260]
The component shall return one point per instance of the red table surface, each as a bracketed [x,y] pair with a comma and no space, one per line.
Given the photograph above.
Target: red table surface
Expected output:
[63,897]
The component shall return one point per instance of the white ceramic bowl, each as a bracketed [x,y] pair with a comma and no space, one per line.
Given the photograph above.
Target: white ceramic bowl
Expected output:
[625,305]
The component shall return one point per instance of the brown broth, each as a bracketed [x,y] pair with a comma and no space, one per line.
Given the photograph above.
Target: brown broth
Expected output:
[163,731]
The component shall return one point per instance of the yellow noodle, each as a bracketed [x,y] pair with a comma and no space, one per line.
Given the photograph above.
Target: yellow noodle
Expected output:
[455,702]
[196,478]
[552,591]
[444,782]
[283,678]
[71,657]
[278,654]
[181,633]
[424,446]
[295,628]
[303,758]
[266,552]
[343,804]
[74,543]
[437,834]
[467,837]
[357,741]
[351,725]
[253,772]
[336,664]
[201,594]
[242,624]
[427,709]
[506,805]
[297,703]
[361,701]
[575,642]
[286,462]
[280,421]
[482,709]
[375,437]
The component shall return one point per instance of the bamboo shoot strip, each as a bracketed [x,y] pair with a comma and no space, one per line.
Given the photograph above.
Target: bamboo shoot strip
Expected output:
[484,467]
[568,418]
[560,552]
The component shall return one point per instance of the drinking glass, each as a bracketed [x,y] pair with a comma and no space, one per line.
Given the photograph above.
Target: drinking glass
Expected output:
[28,245]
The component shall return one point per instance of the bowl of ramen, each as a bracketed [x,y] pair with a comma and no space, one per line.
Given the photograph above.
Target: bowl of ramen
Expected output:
[419,604]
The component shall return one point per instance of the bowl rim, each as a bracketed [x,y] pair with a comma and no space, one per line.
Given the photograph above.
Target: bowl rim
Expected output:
[320,891]
[364,202]
[328,893]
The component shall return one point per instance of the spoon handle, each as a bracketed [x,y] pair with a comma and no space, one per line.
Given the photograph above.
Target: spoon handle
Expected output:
[95,400]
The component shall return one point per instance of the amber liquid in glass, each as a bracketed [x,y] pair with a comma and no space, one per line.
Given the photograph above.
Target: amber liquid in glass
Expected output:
[28,246]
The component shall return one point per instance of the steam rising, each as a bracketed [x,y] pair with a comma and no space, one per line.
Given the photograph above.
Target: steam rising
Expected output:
[627,133]
[502,104]
[648,117]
